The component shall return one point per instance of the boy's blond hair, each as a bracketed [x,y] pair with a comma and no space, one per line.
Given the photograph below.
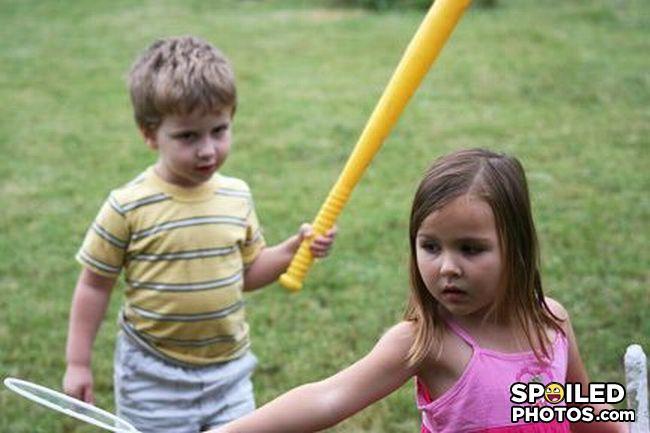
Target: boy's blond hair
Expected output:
[178,75]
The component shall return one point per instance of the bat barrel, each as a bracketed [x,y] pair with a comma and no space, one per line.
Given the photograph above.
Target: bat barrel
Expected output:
[418,58]
[421,52]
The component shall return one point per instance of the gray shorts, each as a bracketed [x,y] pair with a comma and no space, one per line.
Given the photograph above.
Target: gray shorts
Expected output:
[157,396]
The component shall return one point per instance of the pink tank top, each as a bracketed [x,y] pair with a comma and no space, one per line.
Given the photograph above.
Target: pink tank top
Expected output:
[479,402]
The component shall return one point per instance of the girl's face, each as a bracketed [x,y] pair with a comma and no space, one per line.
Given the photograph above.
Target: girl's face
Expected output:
[459,256]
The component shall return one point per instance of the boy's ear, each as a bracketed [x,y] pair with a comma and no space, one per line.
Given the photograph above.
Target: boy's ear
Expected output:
[149,137]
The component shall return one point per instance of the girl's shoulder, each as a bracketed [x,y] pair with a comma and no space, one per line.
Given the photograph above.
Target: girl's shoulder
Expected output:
[556,308]
[399,339]
[401,334]
[393,348]
[560,313]
[404,338]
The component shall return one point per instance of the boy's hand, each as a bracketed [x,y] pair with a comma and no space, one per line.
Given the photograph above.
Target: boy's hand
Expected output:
[321,244]
[78,383]
[274,260]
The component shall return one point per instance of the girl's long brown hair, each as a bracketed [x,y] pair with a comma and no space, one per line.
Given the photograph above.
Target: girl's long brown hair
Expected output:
[500,180]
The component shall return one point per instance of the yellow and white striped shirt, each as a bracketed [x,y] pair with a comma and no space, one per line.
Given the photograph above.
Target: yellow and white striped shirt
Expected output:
[183,251]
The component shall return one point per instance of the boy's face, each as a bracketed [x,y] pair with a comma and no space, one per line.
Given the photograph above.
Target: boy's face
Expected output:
[191,147]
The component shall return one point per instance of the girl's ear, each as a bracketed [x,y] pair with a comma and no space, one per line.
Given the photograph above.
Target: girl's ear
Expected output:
[149,137]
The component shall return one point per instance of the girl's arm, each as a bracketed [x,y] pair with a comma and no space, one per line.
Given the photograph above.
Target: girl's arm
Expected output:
[273,261]
[577,373]
[319,405]
[91,297]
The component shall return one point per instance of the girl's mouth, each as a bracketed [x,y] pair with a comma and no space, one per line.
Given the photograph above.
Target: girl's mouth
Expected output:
[453,293]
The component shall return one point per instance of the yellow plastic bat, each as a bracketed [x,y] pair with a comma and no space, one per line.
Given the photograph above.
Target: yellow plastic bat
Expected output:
[418,58]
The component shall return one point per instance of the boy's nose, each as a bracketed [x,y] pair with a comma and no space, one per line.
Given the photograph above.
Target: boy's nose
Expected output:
[207,149]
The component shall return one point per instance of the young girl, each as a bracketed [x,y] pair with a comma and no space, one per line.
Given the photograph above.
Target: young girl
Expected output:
[477,320]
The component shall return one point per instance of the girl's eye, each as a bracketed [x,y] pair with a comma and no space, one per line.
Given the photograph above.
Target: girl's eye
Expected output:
[429,246]
[472,249]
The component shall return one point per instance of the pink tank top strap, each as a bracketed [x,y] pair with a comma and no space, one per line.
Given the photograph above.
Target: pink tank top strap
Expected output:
[456,329]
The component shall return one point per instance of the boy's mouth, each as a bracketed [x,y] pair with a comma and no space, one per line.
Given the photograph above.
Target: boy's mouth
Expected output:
[206,168]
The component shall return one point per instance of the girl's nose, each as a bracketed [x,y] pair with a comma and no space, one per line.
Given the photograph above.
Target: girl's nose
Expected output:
[449,267]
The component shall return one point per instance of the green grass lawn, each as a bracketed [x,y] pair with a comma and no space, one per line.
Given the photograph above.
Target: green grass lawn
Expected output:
[563,85]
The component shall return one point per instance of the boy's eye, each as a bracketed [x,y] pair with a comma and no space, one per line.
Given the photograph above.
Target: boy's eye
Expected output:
[219,130]
[185,136]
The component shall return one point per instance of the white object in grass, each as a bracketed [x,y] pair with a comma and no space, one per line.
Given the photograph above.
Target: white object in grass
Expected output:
[70,406]
[636,377]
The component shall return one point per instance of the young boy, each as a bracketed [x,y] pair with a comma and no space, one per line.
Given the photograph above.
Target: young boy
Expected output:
[189,242]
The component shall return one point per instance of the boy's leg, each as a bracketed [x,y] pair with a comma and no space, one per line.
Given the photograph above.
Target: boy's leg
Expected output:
[154,395]
[228,391]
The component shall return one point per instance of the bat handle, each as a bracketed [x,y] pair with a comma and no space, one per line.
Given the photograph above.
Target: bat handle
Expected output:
[292,279]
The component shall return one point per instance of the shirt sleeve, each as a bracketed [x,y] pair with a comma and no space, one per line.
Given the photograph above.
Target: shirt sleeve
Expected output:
[104,248]
[254,241]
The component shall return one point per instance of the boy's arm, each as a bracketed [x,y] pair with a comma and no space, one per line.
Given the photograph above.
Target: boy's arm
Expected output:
[577,373]
[273,261]
[91,297]
[316,406]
